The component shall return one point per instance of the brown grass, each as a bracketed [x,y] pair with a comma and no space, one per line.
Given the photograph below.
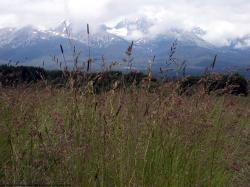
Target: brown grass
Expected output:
[123,138]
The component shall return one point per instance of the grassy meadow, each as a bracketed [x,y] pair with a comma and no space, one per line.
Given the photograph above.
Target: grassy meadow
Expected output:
[123,137]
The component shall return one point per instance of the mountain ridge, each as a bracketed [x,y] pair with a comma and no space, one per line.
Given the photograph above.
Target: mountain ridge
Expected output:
[33,43]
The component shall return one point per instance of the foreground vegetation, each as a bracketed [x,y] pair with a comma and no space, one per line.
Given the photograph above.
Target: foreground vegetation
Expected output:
[123,137]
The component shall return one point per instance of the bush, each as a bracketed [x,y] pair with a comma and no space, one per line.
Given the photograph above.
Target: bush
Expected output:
[188,85]
[234,84]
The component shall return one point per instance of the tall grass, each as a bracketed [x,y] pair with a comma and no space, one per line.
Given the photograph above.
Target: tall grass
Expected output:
[123,138]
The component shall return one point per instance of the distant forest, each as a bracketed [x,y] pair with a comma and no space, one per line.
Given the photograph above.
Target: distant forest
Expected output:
[13,76]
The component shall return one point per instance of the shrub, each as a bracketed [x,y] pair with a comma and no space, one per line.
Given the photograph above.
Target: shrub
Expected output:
[234,84]
[188,85]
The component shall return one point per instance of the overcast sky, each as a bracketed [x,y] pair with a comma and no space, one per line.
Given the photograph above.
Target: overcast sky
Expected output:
[221,19]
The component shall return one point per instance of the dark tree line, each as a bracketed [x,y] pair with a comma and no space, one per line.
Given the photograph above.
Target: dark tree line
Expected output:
[13,76]
[104,81]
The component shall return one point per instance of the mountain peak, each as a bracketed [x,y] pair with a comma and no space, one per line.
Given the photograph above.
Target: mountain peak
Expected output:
[141,24]
[61,27]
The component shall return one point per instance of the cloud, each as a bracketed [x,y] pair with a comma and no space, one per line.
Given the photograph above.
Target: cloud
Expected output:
[222,20]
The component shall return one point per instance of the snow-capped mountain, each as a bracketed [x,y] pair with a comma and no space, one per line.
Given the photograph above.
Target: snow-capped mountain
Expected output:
[131,29]
[32,45]
[99,39]
[140,24]
[61,27]
[23,37]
